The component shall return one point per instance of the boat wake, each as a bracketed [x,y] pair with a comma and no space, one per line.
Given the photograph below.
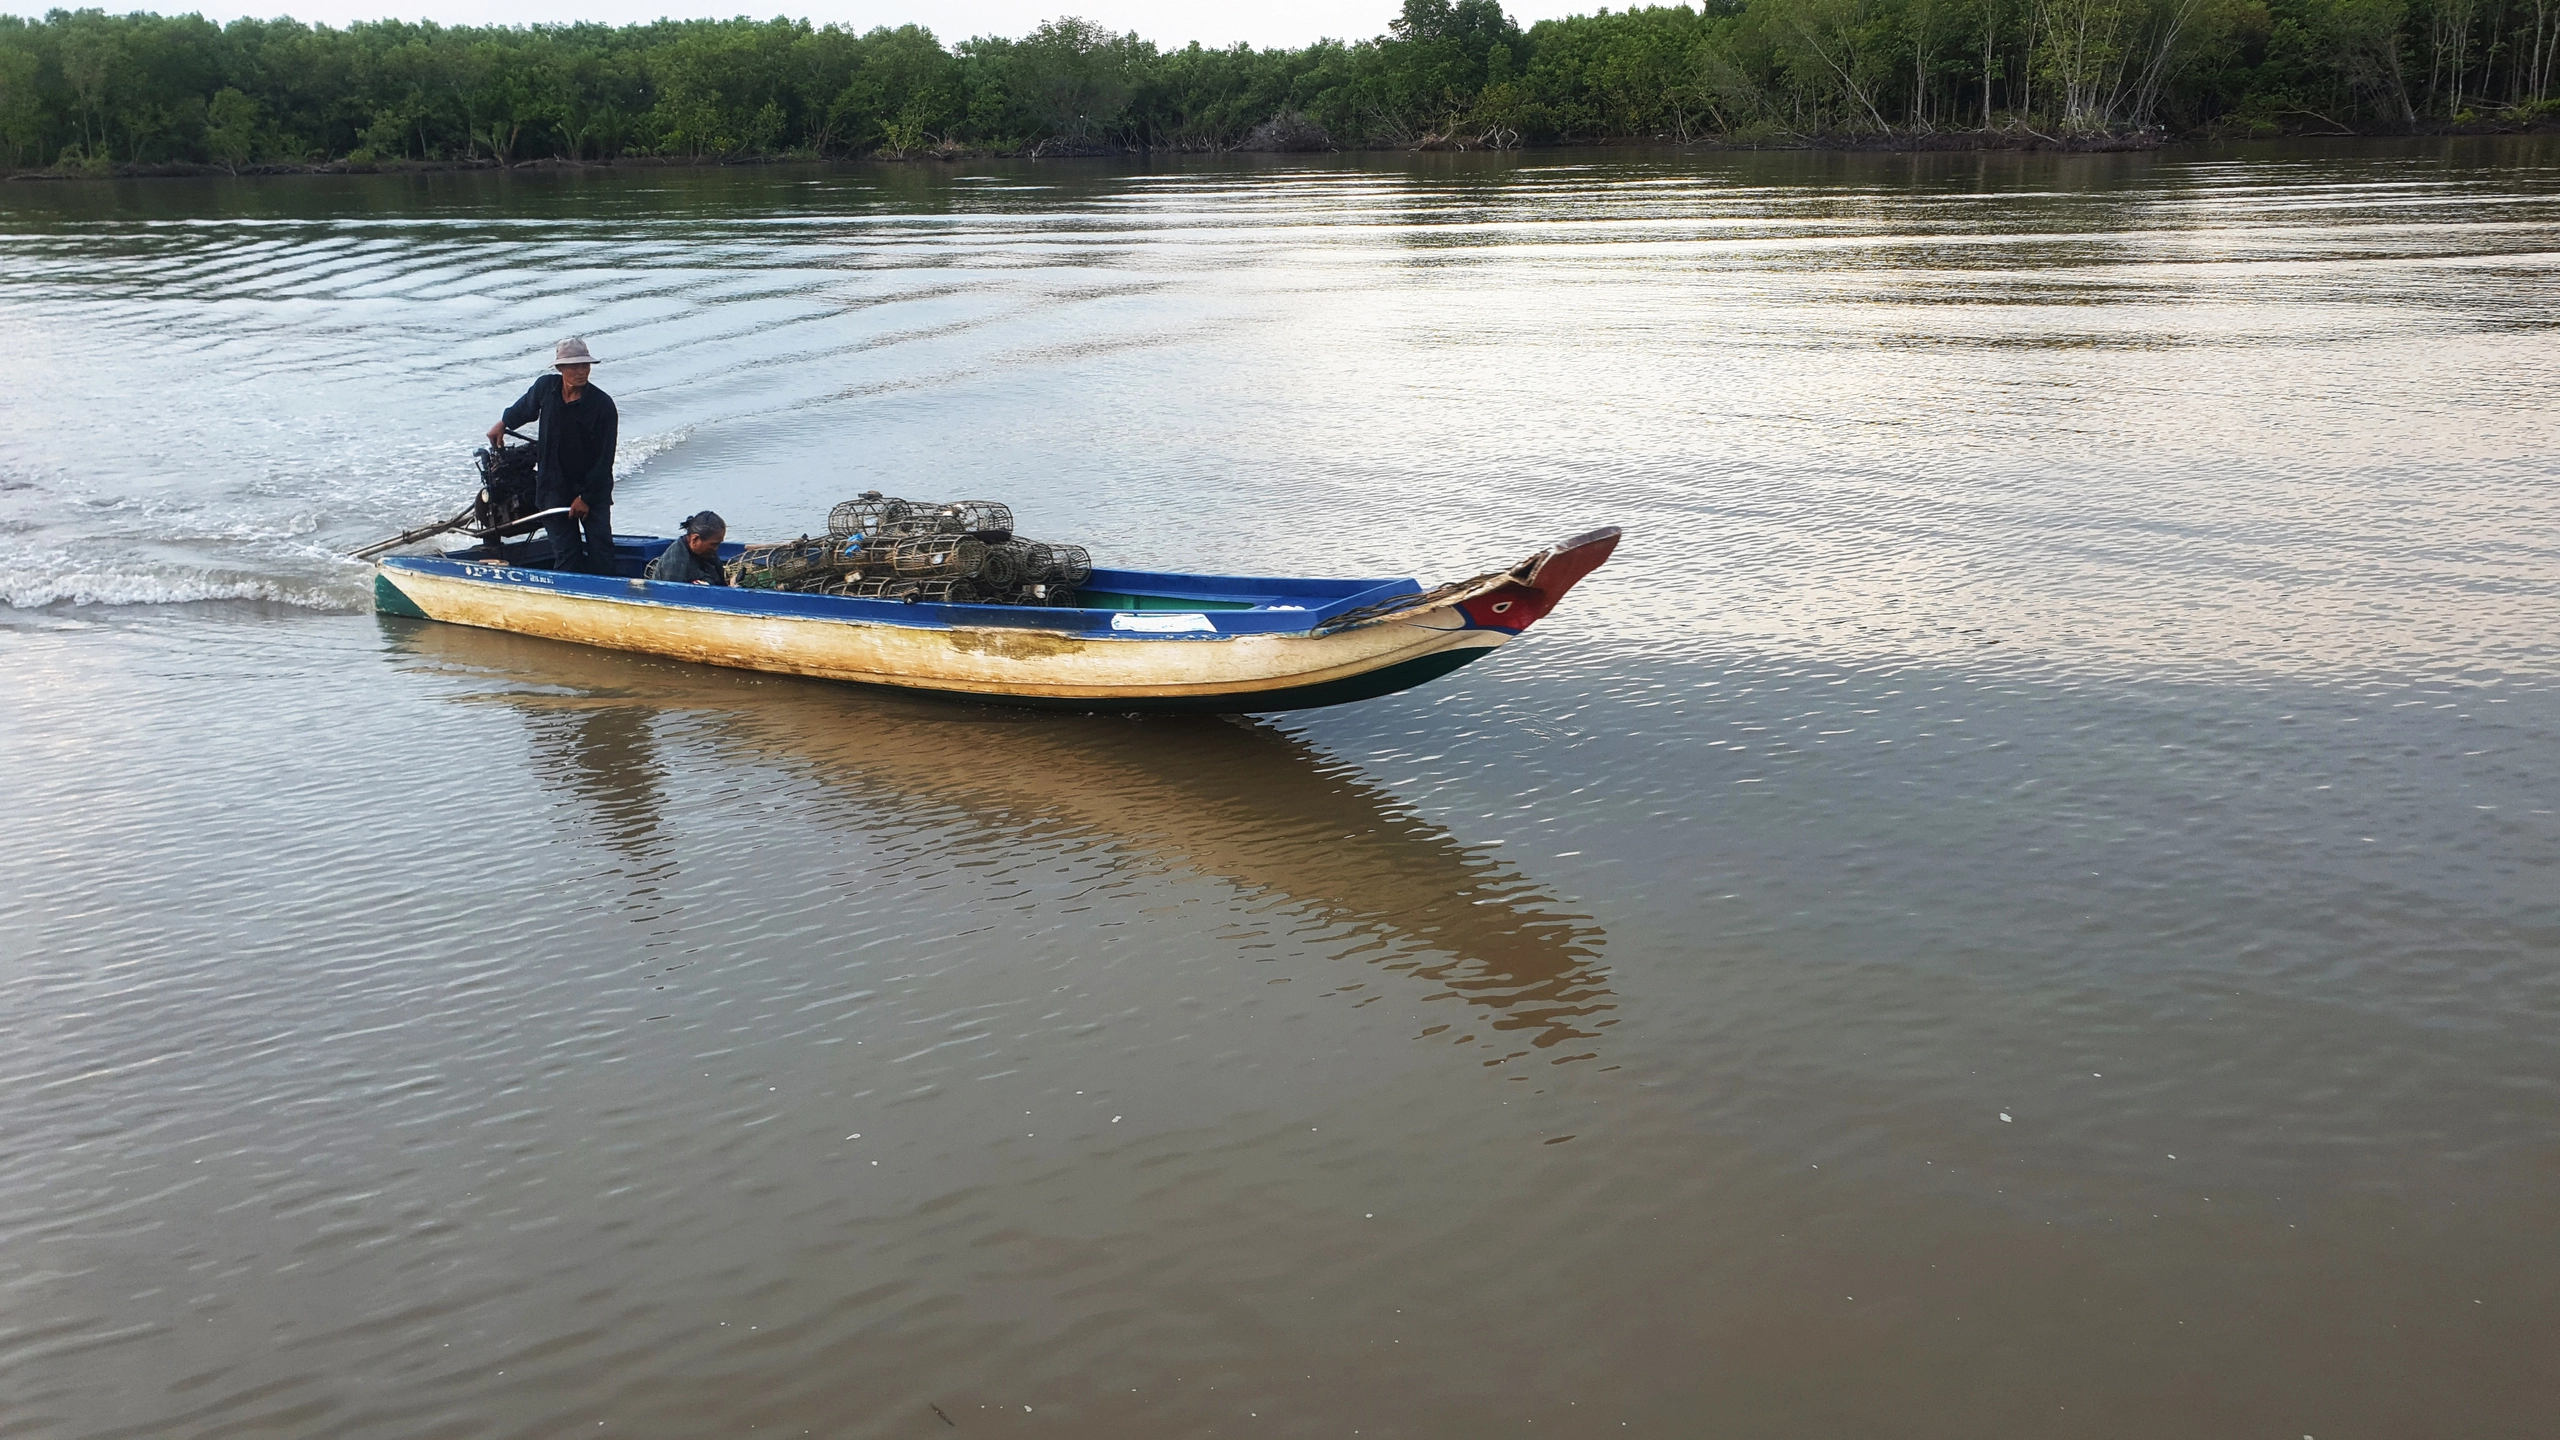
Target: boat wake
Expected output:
[72,550]
[111,587]
[270,539]
[124,556]
[636,453]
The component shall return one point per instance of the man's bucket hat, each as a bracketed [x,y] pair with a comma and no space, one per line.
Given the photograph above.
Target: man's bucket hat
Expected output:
[572,351]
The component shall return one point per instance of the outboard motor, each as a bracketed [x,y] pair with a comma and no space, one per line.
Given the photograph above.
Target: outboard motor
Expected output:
[506,485]
[503,504]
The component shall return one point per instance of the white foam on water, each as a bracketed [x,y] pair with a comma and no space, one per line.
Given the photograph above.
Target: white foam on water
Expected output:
[633,456]
[111,587]
[62,543]
[256,539]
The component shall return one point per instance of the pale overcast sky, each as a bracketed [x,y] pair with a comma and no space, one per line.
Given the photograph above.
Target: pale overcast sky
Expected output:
[1167,22]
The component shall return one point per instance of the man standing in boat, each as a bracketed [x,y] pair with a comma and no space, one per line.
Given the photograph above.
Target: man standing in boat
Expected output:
[573,457]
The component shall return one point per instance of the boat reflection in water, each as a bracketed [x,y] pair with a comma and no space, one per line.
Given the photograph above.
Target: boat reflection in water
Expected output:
[608,754]
[1314,846]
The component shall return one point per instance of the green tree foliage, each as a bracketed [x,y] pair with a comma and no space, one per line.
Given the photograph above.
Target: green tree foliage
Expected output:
[85,89]
[1073,80]
[23,113]
[231,129]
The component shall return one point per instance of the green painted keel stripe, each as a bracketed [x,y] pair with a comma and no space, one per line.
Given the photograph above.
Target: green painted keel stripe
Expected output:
[388,599]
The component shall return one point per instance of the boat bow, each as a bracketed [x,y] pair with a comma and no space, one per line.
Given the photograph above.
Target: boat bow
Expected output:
[1507,600]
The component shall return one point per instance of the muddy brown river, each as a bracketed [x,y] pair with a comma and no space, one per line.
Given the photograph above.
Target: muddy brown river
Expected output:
[2024,902]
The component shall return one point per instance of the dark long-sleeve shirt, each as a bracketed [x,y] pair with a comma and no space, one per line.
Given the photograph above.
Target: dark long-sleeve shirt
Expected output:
[679,564]
[573,453]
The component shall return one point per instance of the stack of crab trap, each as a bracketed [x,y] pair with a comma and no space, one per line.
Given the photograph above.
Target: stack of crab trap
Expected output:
[880,547]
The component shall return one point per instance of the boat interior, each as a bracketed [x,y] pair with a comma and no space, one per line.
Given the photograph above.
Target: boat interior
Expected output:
[1107,590]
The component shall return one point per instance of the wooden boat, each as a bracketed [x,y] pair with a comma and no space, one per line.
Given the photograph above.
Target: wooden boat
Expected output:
[1137,641]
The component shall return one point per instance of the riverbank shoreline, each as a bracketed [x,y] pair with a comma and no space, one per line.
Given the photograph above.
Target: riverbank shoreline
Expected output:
[2013,139]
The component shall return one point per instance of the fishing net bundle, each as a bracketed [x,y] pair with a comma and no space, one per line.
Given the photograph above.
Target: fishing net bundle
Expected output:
[882,547]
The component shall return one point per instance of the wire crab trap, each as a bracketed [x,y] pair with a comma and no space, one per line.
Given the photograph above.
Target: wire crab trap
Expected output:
[982,520]
[1062,597]
[1069,565]
[885,547]
[802,564]
[870,514]
[1029,572]
[948,557]
[871,587]
[875,518]
[959,590]
[949,590]
[1016,562]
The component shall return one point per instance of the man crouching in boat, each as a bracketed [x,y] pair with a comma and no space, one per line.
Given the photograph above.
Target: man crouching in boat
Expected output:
[693,558]
[573,457]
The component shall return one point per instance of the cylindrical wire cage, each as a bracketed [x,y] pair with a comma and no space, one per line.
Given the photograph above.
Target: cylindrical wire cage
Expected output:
[957,590]
[872,513]
[941,556]
[985,519]
[1003,567]
[791,565]
[805,558]
[1017,562]
[872,587]
[1070,564]
[960,552]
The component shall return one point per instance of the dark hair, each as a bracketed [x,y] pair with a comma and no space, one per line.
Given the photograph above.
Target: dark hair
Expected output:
[705,523]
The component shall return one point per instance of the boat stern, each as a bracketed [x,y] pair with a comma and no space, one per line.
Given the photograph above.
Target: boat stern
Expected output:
[390,599]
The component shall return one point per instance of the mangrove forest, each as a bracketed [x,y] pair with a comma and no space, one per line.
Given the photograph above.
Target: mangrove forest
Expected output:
[89,92]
